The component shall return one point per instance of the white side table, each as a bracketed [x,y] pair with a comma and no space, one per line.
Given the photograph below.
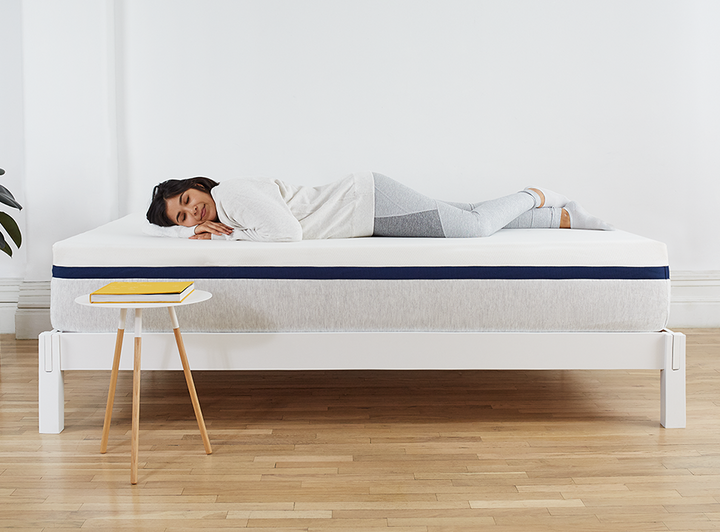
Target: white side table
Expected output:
[196,296]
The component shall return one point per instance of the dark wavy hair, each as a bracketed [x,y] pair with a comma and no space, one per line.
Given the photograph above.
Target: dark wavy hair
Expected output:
[157,212]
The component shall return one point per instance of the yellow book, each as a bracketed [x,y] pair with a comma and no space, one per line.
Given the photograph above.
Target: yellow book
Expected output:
[143,292]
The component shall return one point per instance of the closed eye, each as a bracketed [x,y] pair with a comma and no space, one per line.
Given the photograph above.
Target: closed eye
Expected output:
[181,215]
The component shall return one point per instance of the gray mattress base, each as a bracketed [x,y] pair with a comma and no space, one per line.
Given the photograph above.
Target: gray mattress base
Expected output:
[270,305]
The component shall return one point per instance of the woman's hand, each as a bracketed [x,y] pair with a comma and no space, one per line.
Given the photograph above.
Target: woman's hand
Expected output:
[205,230]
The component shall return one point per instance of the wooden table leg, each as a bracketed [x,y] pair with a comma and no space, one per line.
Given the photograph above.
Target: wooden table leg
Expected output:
[189,381]
[136,398]
[113,381]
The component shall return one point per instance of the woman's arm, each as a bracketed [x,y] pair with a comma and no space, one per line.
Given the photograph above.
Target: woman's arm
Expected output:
[206,230]
[256,211]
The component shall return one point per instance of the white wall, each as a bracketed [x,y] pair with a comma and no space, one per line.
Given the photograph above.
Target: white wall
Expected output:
[613,103]
[70,139]
[12,155]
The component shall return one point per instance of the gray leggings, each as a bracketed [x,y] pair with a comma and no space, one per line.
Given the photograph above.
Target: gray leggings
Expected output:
[402,212]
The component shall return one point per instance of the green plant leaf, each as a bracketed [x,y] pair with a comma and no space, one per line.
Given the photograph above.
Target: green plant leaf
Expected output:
[11,227]
[7,198]
[4,246]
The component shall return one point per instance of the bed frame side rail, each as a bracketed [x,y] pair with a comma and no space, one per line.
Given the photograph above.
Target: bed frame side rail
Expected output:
[664,351]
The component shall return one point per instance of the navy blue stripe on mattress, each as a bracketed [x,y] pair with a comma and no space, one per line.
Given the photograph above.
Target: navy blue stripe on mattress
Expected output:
[362,273]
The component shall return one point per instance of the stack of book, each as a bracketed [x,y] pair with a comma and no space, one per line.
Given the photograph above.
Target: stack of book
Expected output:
[143,292]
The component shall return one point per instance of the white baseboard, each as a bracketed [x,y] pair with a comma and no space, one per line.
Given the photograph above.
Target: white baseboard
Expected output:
[7,318]
[9,289]
[695,299]
[33,309]
[25,305]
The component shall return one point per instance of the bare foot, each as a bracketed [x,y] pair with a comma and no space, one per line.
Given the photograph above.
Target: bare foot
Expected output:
[564,219]
[539,193]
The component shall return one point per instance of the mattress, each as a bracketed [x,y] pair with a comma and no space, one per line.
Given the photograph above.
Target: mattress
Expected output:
[515,280]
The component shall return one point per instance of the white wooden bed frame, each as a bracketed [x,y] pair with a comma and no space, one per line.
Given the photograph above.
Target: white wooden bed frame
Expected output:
[665,351]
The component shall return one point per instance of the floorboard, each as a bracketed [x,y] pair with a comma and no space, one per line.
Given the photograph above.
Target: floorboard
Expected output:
[416,451]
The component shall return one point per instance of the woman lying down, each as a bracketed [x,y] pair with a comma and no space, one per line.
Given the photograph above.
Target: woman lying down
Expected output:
[361,205]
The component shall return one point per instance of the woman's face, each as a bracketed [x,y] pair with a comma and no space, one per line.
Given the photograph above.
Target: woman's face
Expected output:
[191,208]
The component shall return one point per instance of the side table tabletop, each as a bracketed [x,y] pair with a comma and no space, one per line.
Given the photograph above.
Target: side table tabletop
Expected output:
[196,296]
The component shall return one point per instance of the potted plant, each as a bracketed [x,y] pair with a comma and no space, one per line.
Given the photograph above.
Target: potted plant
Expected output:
[7,222]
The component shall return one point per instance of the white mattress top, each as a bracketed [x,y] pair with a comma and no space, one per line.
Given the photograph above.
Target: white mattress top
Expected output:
[123,243]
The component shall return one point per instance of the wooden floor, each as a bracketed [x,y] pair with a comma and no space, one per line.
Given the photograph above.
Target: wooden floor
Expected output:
[349,451]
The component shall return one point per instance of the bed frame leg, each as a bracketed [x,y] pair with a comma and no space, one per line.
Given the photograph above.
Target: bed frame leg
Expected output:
[672,383]
[51,395]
